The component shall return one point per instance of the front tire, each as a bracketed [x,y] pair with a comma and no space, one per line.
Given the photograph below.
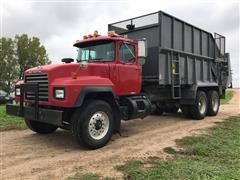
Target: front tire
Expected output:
[213,103]
[199,108]
[39,127]
[92,126]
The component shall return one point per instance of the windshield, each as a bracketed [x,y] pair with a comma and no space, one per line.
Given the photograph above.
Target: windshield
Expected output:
[101,51]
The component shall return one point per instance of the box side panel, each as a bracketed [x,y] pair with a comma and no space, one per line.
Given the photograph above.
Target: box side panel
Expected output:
[178,35]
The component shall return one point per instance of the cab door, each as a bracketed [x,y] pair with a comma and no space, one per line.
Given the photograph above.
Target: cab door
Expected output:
[129,71]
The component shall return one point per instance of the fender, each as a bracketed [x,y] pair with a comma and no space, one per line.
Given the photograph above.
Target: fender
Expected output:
[78,87]
[93,89]
[114,101]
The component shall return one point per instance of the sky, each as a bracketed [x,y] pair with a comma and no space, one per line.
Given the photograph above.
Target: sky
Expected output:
[59,23]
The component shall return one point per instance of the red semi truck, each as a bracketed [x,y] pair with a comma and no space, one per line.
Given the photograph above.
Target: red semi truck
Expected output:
[115,79]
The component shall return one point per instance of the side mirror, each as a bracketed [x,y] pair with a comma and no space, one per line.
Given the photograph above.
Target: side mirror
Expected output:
[67,60]
[142,51]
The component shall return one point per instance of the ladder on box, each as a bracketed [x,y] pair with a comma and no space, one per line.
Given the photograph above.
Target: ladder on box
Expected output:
[175,77]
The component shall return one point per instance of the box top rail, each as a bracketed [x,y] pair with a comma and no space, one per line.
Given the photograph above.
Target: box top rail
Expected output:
[145,21]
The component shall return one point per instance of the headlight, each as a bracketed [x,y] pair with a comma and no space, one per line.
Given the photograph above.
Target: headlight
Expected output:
[17,92]
[59,93]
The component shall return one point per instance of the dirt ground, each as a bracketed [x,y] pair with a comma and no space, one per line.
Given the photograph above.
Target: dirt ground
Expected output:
[27,155]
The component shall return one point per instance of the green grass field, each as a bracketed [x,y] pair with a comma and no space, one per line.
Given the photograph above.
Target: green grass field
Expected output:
[10,122]
[215,155]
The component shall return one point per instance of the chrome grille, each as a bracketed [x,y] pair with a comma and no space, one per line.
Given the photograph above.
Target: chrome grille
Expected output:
[42,80]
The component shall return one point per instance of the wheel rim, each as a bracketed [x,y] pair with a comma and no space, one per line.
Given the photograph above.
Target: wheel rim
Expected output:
[215,103]
[202,105]
[98,125]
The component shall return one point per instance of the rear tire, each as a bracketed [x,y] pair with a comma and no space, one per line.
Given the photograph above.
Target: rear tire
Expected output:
[39,127]
[199,108]
[213,103]
[93,125]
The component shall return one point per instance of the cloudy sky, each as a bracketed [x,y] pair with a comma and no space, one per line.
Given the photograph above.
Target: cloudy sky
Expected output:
[59,23]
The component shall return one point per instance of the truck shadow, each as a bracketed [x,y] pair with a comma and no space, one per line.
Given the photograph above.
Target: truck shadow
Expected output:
[62,139]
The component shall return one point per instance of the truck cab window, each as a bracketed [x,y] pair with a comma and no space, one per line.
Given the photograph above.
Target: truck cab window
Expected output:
[126,53]
[96,51]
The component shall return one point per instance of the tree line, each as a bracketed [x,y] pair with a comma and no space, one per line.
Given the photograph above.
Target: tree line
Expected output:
[17,55]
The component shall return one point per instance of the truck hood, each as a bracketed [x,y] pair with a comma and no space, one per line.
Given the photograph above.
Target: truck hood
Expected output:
[66,70]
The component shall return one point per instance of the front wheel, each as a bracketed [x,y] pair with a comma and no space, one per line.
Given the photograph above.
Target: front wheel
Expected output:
[39,127]
[92,125]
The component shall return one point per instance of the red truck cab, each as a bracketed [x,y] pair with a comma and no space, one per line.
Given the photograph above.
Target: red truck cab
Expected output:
[103,61]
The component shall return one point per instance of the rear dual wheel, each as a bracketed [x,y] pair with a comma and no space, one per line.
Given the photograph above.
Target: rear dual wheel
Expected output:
[213,103]
[199,108]
[205,104]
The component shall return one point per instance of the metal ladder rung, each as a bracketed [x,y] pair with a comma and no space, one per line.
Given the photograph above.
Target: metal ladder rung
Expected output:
[177,97]
[175,61]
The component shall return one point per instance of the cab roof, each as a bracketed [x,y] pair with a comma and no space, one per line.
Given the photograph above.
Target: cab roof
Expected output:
[103,38]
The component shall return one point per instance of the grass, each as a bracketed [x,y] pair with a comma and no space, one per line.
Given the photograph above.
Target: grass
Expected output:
[215,155]
[8,122]
[228,97]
